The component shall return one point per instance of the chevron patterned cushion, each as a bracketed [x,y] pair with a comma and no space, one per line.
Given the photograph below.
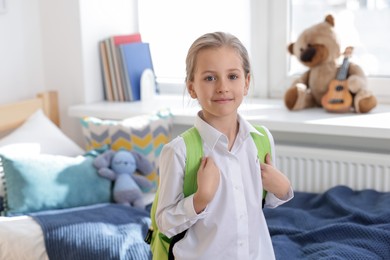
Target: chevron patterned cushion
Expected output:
[145,134]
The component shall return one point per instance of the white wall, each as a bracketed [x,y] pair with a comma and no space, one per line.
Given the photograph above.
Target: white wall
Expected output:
[49,44]
[21,64]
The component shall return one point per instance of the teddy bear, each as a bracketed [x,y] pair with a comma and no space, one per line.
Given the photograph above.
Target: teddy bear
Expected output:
[122,167]
[318,48]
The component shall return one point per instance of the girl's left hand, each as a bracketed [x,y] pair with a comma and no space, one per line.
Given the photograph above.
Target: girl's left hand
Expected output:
[274,181]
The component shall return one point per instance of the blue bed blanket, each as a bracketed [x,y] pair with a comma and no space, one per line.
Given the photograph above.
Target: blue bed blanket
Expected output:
[107,231]
[338,224]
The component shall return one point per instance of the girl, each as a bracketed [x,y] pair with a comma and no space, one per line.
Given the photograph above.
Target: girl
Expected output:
[224,217]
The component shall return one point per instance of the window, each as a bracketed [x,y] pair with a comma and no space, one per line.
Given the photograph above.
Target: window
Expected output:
[171,26]
[266,28]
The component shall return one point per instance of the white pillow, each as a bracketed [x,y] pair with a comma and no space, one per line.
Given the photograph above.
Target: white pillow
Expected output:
[37,135]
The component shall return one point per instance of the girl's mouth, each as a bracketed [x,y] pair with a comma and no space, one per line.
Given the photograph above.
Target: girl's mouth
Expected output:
[223,100]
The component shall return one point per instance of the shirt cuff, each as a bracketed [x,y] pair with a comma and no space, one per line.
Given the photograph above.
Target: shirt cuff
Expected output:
[272,201]
[190,209]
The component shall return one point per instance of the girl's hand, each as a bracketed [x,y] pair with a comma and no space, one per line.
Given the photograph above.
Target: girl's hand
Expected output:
[274,181]
[208,181]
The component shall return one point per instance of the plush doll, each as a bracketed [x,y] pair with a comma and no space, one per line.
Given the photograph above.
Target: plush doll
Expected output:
[318,48]
[122,167]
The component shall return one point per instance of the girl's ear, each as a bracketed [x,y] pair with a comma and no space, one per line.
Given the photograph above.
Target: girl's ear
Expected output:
[247,83]
[191,91]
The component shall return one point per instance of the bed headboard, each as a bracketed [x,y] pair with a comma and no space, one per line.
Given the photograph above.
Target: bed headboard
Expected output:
[14,114]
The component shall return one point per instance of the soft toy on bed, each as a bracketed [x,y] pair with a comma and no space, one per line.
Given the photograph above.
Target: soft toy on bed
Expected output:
[326,84]
[121,167]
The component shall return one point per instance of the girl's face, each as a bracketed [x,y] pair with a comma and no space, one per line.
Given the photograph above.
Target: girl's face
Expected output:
[219,82]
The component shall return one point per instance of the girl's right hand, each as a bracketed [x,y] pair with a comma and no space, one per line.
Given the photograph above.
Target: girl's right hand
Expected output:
[208,181]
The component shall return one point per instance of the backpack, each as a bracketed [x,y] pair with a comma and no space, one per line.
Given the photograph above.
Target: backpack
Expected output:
[160,245]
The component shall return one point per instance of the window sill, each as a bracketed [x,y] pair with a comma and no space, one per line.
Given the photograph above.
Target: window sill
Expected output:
[316,123]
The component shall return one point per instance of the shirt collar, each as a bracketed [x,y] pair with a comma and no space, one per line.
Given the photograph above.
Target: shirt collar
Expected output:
[245,130]
[211,136]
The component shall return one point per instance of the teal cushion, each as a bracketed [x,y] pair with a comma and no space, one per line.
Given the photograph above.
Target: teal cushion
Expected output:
[43,182]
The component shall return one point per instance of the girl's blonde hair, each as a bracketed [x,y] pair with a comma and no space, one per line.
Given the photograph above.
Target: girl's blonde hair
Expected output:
[215,40]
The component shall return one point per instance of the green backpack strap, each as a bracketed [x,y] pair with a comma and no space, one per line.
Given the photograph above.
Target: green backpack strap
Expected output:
[160,245]
[194,154]
[263,147]
[262,142]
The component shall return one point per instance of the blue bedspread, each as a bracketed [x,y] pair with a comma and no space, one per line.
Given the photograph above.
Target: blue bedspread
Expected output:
[108,231]
[338,224]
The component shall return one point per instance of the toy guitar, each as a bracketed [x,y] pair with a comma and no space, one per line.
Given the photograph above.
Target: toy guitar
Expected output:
[338,98]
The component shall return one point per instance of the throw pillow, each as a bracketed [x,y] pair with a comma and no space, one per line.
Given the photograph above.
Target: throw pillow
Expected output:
[38,135]
[43,182]
[145,134]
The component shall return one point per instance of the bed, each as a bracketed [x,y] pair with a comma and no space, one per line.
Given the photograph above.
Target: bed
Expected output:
[340,223]
[53,204]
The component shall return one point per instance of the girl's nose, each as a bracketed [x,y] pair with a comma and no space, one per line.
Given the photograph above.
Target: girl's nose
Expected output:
[221,87]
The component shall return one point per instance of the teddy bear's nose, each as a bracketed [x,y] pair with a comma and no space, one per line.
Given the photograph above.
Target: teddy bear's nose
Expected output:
[308,54]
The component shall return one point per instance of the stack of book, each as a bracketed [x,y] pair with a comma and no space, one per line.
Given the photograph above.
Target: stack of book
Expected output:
[124,58]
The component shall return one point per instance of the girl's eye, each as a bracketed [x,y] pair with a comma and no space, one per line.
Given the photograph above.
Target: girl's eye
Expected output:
[234,76]
[210,78]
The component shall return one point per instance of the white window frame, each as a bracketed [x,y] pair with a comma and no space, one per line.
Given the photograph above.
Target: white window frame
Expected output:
[269,48]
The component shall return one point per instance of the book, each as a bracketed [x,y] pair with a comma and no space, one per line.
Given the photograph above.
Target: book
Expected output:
[127,38]
[116,71]
[136,58]
[105,71]
[111,68]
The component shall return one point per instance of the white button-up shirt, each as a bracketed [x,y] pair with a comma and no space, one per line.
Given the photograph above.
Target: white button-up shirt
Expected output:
[233,225]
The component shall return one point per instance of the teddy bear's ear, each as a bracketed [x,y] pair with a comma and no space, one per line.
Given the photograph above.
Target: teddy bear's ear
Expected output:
[103,160]
[290,48]
[329,19]
[143,164]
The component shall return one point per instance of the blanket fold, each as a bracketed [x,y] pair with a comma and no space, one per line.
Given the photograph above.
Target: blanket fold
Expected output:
[338,224]
[108,231]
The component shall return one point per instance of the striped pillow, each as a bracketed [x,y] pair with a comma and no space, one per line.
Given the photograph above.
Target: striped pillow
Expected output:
[145,134]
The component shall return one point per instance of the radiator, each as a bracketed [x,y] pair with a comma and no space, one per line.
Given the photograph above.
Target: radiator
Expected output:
[316,170]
